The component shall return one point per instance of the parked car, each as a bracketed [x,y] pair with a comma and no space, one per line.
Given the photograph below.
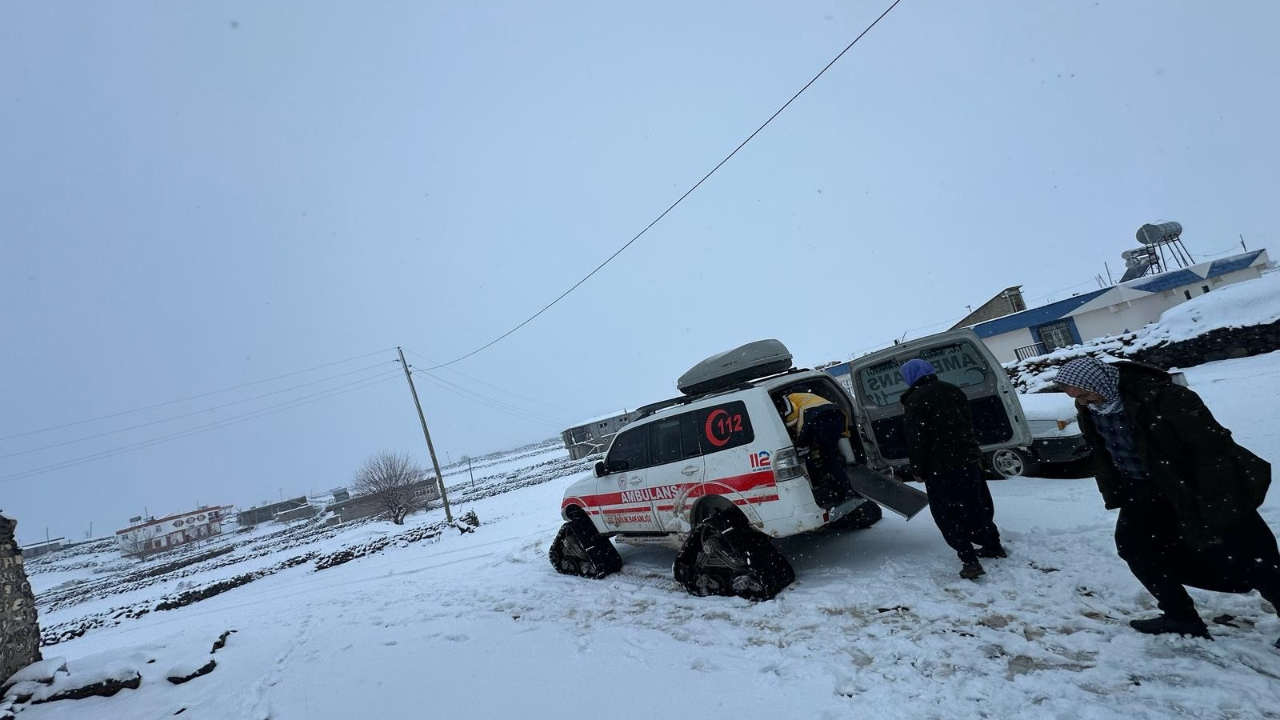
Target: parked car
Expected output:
[1056,438]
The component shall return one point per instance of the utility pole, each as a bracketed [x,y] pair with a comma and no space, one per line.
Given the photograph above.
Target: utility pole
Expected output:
[473,475]
[1246,247]
[448,516]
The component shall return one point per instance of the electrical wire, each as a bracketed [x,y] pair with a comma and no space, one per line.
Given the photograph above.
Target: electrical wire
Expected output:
[488,402]
[490,385]
[448,387]
[199,429]
[494,402]
[188,414]
[673,205]
[194,397]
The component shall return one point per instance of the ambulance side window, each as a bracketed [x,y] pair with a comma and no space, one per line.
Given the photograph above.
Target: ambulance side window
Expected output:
[689,436]
[630,450]
[664,441]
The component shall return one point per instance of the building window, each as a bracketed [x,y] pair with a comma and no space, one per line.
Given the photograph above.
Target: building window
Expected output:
[1204,288]
[1187,293]
[1056,336]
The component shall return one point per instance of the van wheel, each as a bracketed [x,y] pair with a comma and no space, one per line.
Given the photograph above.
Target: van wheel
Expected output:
[724,556]
[862,517]
[1011,462]
[579,549]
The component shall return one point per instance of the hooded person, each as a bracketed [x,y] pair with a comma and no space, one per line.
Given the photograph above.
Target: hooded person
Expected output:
[1188,494]
[943,449]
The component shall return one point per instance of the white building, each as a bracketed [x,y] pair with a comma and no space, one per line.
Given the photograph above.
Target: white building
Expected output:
[1111,311]
[153,536]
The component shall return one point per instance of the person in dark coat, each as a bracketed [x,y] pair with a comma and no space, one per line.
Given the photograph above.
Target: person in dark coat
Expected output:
[1188,494]
[943,449]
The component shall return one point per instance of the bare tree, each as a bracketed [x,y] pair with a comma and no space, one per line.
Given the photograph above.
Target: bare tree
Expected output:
[391,479]
[137,544]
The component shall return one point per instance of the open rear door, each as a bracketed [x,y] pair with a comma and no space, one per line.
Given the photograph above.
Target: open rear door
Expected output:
[961,359]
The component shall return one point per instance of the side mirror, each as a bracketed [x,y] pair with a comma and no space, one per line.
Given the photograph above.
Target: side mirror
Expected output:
[600,469]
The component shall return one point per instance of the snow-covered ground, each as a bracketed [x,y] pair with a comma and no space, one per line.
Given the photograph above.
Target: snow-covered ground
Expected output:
[878,624]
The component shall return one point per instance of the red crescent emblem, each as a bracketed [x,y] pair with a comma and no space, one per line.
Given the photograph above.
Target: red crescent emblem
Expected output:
[710,433]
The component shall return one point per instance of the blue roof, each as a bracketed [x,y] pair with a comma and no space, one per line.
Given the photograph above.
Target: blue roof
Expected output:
[1034,316]
[1232,264]
[1166,281]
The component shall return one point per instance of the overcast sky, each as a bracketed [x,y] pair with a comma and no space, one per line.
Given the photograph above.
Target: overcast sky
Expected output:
[199,195]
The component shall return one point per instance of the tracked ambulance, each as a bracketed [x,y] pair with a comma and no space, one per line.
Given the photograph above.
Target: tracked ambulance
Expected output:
[715,475]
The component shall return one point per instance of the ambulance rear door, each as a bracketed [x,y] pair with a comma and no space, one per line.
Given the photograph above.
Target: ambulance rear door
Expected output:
[962,359]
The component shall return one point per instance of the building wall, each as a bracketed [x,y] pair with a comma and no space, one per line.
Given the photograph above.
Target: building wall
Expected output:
[35,551]
[267,513]
[363,506]
[1004,346]
[168,533]
[594,437]
[1146,309]
[1119,309]
[1005,302]
[1130,316]
[19,631]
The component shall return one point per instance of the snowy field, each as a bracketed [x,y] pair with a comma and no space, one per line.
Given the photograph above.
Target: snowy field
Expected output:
[878,624]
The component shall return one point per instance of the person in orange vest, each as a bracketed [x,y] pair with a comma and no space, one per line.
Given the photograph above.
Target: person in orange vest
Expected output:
[819,424]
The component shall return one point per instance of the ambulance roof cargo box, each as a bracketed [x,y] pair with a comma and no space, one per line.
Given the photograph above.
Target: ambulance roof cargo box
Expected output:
[747,362]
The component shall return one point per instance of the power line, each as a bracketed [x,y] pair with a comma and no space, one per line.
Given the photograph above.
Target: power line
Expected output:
[199,429]
[490,385]
[488,402]
[193,397]
[185,415]
[493,401]
[673,205]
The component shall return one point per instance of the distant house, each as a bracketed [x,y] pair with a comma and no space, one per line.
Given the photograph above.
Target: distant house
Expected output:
[1127,306]
[593,436]
[152,536]
[35,550]
[267,513]
[363,506]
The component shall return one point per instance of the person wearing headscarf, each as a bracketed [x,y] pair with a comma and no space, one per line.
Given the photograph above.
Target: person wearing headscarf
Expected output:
[942,447]
[1188,494]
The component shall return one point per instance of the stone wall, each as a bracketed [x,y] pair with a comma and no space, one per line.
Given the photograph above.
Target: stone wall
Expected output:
[19,633]
[1220,344]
